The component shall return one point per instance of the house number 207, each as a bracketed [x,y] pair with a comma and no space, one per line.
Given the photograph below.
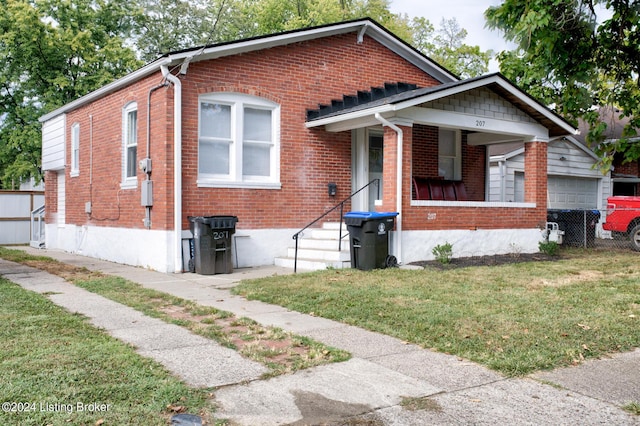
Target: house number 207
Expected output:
[219,235]
[480,123]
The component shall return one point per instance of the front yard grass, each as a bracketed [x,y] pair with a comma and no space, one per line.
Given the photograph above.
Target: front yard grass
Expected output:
[281,352]
[57,369]
[515,318]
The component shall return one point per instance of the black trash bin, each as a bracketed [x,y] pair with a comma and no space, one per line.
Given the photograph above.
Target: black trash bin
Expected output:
[212,236]
[369,237]
[579,226]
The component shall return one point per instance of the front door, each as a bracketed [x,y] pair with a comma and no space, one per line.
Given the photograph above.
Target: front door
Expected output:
[367,166]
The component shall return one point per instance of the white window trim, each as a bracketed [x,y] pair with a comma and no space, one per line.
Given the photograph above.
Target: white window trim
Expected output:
[75,150]
[235,178]
[132,181]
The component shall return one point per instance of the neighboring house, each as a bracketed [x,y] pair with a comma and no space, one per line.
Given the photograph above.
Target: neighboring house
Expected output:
[573,180]
[258,128]
[625,176]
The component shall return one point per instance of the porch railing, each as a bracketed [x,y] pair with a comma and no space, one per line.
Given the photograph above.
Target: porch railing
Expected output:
[340,205]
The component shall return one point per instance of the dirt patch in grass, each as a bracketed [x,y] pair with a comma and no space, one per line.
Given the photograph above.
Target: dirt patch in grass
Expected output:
[281,350]
[581,276]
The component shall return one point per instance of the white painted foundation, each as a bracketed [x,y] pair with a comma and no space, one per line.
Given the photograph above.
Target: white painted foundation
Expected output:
[418,245]
[154,249]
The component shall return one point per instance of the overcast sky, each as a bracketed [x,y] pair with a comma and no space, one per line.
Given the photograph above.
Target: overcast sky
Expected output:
[468,13]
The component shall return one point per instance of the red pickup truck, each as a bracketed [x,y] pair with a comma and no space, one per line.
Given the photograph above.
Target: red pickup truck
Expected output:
[623,219]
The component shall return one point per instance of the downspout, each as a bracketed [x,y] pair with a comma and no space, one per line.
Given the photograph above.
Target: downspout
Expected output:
[398,130]
[177,167]
[502,180]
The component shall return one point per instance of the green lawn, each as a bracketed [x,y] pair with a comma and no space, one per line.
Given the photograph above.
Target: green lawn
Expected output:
[57,369]
[514,318]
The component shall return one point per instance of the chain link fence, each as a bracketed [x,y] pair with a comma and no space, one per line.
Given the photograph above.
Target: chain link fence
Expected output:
[570,228]
[584,229]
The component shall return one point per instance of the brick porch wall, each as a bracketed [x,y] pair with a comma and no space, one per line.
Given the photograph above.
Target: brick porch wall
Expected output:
[460,216]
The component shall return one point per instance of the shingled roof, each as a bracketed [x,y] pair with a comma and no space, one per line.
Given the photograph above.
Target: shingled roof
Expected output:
[363,99]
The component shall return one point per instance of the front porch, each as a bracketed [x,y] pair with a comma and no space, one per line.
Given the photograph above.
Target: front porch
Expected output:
[441,134]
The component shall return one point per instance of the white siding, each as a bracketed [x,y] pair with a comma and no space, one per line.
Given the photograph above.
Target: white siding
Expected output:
[573,181]
[494,184]
[512,166]
[53,143]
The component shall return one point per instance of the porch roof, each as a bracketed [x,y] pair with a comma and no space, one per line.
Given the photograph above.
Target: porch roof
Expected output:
[342,112]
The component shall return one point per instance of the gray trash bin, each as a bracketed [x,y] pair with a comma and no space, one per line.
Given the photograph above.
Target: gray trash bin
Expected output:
[212,236]
[369,238]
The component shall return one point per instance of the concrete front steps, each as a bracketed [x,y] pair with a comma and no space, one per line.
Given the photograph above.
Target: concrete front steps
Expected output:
[318,249]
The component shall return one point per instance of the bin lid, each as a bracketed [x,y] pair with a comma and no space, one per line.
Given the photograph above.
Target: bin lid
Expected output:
[215,222]
[370,215]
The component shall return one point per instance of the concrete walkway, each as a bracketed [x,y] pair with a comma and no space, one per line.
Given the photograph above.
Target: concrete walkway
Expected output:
[368,389]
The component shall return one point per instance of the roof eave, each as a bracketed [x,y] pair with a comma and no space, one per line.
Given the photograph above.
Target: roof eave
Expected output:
[450,91]
[368,26]
[145,71]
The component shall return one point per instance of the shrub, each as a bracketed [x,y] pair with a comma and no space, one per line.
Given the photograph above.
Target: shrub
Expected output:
[443,253]
[549,247]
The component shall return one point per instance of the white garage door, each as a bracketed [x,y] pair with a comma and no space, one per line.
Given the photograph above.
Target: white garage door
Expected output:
[572,193]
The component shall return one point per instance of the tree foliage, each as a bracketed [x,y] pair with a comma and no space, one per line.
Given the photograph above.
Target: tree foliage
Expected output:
[449,50]
[53,51]
[169,25]
[578,55]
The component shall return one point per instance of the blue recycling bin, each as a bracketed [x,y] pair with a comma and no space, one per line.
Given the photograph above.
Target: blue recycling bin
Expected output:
[369,239]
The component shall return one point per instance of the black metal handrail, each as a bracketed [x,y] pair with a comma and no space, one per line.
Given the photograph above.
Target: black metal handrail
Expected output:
[341,205]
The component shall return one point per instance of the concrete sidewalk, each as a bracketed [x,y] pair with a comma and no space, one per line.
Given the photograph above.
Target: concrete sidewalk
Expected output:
[368,389]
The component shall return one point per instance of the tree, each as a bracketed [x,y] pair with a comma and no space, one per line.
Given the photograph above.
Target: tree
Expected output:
[52,52]
[169,25]
[566,58]
[450,51]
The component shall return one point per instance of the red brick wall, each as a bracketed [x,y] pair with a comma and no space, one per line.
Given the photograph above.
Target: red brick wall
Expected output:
[461,217]
[631,168]
[100,177]
[425,151]
[474,168]
[297,77]
[425,160]
[50,195]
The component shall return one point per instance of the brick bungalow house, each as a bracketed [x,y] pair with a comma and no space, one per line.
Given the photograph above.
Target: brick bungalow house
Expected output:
[258,128]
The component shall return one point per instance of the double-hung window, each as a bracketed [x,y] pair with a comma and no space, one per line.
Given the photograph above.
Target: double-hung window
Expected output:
[238,141]
[449,154]
[129,144]
[75,149]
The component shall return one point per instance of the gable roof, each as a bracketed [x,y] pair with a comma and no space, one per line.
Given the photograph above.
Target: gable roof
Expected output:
[182,58]
[496,82]
[507,151]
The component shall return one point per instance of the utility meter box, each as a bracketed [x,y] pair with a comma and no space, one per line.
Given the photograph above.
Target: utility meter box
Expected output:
[147,193]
